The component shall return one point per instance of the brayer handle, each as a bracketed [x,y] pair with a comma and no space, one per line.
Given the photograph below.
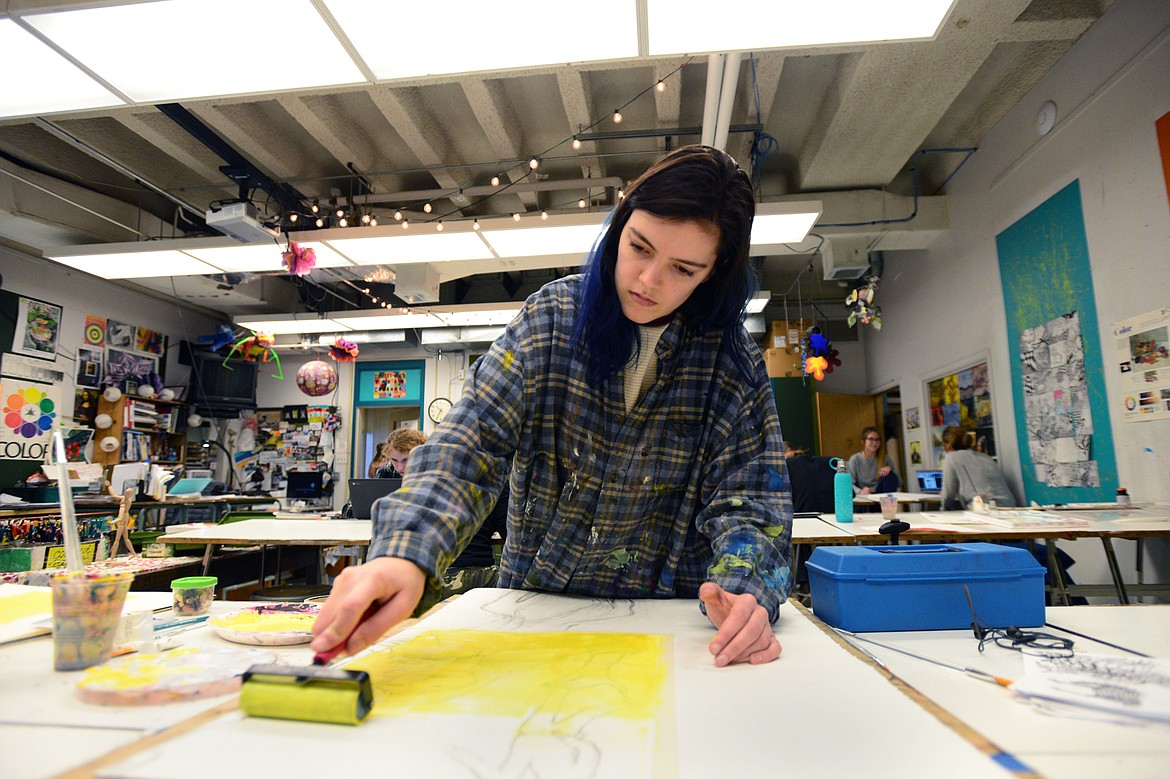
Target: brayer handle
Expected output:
[323,658]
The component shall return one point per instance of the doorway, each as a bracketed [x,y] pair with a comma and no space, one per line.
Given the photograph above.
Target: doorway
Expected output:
[374,425]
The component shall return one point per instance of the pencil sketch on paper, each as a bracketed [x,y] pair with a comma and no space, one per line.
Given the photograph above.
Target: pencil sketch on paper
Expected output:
[1130,686]
[571,705]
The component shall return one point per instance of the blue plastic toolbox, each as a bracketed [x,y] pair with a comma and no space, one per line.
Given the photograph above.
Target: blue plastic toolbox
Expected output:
[921,587]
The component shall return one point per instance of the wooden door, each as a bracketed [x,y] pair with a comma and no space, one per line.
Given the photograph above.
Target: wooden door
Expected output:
[840,418]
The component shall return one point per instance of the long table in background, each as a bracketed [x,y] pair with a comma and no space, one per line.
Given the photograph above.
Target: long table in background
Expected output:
[276,532]
[1129,523]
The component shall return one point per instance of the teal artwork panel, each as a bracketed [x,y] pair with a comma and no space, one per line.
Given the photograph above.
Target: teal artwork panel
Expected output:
[390,383]
[1046,274]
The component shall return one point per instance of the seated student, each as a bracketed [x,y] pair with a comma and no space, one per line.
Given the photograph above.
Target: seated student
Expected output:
[398,447]
[381,459]
[476,566]
[871,468]
[967,473]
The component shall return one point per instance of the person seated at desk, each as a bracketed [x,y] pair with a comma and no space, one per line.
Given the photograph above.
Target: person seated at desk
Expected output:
[967,473]
[476,565]
[871,468]
[399,445]
[635,414]
[381,459]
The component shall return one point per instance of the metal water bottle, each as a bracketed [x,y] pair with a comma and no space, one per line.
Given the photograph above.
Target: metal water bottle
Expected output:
[843,493]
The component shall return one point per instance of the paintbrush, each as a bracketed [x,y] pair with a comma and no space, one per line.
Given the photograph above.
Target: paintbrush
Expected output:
[73,562]
[974,673]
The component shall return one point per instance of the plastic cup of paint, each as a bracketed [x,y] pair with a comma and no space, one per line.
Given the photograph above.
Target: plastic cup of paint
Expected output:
[889,506]
[86,611]
[193,595]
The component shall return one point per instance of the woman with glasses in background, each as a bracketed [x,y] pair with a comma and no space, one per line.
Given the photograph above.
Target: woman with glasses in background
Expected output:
[871,468]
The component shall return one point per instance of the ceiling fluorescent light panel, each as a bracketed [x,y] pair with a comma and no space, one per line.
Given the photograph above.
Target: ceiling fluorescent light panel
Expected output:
[59,85]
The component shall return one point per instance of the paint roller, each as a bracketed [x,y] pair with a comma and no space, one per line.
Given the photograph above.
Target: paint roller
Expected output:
[315,693]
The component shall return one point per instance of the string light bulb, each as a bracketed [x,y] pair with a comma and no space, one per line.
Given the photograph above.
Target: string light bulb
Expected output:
[343,222]
[534,163]
[373,221]
[292,217]
[475,225]
[660,86]
[617,116]
[544,216]
[515,216]
[405,224]
[340,213]
[439,227]
[320,222]
[373,299]
[495,181]
[621,194]
[315,208]
[576,143]
[427,207]
[366,219]
[581,203]
[398,216]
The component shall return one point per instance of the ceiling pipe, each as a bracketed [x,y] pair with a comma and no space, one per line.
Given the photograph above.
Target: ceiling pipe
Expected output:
[609,182]
[727,89]
[711,104]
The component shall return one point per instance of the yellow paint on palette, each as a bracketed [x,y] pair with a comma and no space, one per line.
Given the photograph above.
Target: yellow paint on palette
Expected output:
[253,621]
[477,672]
[26,604]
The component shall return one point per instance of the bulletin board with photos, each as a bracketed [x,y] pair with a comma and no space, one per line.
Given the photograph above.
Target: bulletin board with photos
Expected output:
[963,398]
[291,438]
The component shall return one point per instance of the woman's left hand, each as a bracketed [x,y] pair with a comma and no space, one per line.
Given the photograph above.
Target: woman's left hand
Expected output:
[744,633]
[884,470]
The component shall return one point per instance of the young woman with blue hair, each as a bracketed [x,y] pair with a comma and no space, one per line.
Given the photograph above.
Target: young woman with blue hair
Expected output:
[633,412]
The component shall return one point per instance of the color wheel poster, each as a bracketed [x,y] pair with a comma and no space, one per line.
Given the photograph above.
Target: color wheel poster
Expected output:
[1142,346]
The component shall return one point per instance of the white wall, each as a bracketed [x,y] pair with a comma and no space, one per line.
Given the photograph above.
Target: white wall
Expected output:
[79,294]
[943,308]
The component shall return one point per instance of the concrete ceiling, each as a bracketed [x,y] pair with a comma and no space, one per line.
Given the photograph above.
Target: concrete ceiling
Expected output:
[844,124]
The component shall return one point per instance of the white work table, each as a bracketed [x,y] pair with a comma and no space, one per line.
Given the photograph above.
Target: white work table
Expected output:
[1050,745]
[742,719]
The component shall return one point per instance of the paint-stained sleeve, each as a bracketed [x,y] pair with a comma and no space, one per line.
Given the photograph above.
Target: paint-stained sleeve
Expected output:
[456,476]
[749,517]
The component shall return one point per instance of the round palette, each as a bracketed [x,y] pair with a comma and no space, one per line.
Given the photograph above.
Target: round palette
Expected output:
[181,674]
[268,624]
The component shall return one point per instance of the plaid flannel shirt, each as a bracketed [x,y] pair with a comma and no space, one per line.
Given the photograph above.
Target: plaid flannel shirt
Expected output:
[688,487]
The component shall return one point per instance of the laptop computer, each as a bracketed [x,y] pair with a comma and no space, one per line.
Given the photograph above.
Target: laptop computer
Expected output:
[930,481]
[363,493]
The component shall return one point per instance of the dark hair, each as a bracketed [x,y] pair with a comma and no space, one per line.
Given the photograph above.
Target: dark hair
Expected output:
[955,438]
[693,183]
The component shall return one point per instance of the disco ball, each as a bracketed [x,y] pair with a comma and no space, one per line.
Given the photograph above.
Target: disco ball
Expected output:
[317,378]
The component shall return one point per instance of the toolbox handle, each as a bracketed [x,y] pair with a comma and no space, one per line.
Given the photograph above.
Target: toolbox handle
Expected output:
[948,576]
[920,549]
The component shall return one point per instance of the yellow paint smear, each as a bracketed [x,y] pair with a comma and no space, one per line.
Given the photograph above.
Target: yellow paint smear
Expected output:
[145,671]
[257,622]
[521,674]
[26,604]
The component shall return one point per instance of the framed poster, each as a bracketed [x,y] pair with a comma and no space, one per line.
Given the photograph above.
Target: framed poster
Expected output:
[38,326]
[962,398]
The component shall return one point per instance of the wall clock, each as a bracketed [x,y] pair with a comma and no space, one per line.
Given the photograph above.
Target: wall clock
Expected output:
[438,409]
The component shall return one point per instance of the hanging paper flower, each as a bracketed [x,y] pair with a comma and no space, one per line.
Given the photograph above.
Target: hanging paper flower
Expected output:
[860,303]
[298,261]
[343,350]
[833,360]
[815,367]
[818,344]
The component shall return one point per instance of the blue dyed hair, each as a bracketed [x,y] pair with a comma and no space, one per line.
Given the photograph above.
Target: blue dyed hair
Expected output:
[692,184]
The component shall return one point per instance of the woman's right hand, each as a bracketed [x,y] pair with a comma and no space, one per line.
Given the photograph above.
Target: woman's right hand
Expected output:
[394,583]
[866,490]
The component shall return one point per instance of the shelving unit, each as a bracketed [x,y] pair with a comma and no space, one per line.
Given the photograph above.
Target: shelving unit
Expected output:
[146,429]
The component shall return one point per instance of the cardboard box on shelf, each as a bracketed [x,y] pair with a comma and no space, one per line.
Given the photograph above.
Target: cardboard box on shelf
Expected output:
[786,334]
[780,364]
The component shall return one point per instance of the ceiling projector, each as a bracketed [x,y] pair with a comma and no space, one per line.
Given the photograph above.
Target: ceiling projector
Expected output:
[239,221]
